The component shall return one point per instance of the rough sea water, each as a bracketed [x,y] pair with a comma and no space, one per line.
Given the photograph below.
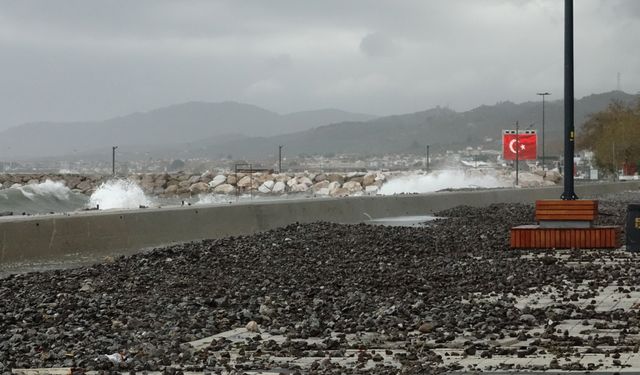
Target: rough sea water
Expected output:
[46,197]
[440,180]
[54,197]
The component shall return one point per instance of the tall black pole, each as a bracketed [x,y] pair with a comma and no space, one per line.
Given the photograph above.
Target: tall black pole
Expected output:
[427,158]
[543,94]
[113,160]
[569,132]
[279,159]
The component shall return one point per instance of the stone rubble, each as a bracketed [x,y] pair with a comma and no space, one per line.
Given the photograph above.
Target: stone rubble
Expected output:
[416,292]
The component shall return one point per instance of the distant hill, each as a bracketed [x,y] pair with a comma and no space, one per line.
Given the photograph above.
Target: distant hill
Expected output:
[215,130]
[182,123]
[441,128]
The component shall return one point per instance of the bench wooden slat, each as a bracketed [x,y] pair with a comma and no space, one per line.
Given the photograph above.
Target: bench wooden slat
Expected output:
[566,212]
[557,209]
[542,204]
[534,237]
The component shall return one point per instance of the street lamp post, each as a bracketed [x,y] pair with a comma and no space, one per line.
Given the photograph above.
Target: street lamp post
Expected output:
[543,94]
[427,158]
[113,160]
[280,158]
[569,130]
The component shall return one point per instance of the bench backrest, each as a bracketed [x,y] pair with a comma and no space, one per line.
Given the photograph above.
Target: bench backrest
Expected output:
[570,210]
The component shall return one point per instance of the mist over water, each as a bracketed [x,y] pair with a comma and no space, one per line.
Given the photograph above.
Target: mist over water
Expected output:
[450,179]
[122,194]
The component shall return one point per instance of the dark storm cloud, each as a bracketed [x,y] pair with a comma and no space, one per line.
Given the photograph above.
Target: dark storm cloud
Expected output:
[76,59]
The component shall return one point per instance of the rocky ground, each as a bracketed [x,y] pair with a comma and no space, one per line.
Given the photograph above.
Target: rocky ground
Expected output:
[415,289]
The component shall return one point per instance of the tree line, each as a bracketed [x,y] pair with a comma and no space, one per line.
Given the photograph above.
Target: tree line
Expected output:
[613,135]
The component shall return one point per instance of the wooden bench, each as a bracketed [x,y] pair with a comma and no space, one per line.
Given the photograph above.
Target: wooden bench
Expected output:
[565,225]
[561,210]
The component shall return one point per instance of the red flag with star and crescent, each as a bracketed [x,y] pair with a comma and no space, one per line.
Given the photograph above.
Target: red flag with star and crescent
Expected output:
[522,146]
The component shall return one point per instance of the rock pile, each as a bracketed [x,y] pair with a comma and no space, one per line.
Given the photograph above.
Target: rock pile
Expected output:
[185,185]
[424,288]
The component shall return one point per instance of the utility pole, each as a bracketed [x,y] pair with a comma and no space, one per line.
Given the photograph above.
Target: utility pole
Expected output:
[613,161]
[113,160]
[543,94]
[569,130]
[280,158]
[427,158]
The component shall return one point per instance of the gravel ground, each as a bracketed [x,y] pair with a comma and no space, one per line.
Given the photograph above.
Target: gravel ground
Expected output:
[421,286]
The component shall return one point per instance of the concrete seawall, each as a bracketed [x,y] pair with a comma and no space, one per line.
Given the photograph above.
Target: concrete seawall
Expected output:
[24,239]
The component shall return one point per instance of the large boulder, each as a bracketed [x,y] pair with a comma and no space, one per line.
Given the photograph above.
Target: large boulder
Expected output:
[199,188]
[299,188]
[281,177]
[322,191]
[263,189]
[305,180]
[217,180]
[369,179]
[224,189]
[268,184]
[279,187]
[334,185]
[339,192]
[263,177]
[334,177]
[266,187]
[324,184]
[171,190]
[231,179]
[320,177]
[352,186]
[245,182]
[194,179]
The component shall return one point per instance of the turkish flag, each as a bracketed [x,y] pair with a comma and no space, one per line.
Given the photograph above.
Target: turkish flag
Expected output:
[524,145]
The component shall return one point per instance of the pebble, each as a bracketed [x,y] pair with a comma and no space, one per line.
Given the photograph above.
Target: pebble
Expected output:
[321,280]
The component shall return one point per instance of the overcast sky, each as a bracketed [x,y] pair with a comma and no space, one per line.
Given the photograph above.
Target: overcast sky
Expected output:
[80,60]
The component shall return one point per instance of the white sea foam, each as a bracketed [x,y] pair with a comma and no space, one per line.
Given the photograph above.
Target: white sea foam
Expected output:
[56,189]
[450,179]
[119,194]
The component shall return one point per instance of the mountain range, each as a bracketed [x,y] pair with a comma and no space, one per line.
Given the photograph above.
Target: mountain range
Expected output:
[173,125]
[243,131]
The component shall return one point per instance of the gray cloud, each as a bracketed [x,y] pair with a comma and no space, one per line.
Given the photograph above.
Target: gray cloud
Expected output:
[377,45]
[74,59]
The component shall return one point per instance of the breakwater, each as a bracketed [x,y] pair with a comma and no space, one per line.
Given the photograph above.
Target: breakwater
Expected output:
[126,231]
